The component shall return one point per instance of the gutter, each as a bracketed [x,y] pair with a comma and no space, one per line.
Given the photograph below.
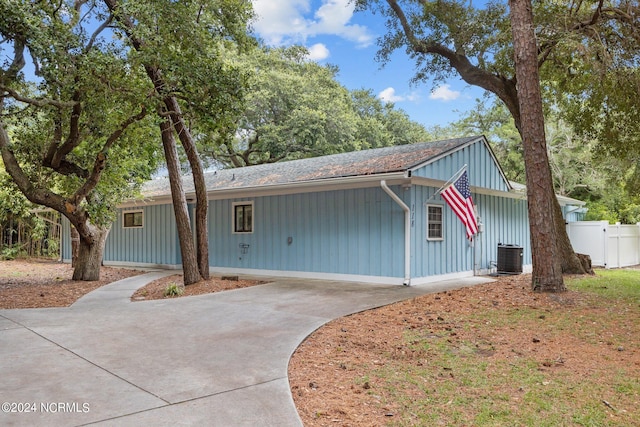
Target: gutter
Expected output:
[407,231]
[270,189]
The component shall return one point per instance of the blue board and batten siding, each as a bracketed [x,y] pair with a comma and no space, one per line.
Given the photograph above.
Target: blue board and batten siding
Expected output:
[155,244]
[482,168]
[504,221]
[437,257]
[356,232]
[346,233]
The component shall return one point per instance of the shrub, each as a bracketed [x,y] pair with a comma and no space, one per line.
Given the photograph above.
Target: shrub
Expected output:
[173,290]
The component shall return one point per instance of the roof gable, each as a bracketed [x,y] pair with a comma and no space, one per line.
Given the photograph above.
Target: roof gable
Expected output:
[483,168]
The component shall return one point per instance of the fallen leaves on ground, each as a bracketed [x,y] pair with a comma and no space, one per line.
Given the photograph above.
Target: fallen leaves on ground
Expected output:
[41,283]
[157,288]
[349,372]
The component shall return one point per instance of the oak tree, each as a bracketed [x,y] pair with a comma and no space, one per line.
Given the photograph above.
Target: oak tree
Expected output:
[450,37]
[181,46]
[66,113]
[296,108]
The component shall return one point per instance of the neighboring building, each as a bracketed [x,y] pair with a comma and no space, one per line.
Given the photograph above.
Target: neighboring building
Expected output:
[370,216]
[573,210]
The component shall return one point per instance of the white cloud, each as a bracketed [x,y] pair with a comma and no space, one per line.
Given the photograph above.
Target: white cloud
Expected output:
[276,21]
[333,18]
[318,52]
[412,97]
[292,21]
[443,93]
[389,95]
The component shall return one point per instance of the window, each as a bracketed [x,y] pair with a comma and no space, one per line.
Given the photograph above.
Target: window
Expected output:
[434,222]
[243,217]
[132,219]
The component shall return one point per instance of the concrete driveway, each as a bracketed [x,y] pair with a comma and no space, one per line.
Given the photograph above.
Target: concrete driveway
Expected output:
[218,359]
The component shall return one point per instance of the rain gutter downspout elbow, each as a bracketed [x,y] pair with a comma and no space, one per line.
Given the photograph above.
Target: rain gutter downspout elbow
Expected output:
[407,231]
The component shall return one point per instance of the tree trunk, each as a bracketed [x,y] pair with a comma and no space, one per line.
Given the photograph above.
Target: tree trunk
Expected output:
[547,269]
[90,252]
[191,273]
[92,237]
[571,262]
[154,73]
[75,245]
[202,232]
[505,89]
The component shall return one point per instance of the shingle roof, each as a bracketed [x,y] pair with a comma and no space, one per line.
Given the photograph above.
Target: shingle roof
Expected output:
[356,163]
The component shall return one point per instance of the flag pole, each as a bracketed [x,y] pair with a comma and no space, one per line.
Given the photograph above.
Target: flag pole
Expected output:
[450,181]
[458,197]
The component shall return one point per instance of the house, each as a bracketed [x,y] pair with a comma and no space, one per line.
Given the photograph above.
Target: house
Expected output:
[572,210]
[372,216]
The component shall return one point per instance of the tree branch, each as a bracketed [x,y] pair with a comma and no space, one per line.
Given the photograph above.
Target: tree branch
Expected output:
[73,138]
[118,132]
[503,87]
[36,102]
[96,33]
[18,62]
[64,167]
[230,156]
[126,20]
[546,48]
[101,159]
[68,168]
[55,142]
[36,194]
[620,15]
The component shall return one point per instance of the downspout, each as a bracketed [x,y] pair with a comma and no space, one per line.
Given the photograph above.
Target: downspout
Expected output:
[407,231]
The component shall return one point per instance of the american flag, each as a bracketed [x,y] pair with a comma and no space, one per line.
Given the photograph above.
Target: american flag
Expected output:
[458,197]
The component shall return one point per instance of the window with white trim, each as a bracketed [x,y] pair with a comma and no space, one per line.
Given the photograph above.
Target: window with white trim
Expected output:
[242,217]
[434,222]
[133,219]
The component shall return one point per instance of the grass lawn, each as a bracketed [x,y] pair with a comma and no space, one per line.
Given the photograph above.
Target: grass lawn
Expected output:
[489,355]
[471,388]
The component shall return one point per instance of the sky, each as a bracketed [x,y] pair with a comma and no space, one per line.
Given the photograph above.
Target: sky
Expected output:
[335,34]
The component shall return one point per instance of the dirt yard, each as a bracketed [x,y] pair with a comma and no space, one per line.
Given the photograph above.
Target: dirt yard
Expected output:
[157,288]
[45,283]
[338,376]
[449,354]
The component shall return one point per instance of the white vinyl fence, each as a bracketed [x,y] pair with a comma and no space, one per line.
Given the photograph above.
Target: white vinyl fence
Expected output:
[609,246]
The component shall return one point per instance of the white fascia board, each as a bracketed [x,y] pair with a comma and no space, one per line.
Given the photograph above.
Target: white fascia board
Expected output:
[564,200]
[518,191]
[330,184]
[147,201]
[437,183]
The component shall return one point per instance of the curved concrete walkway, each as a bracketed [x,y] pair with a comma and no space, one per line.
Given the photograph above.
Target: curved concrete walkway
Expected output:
[218,359]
